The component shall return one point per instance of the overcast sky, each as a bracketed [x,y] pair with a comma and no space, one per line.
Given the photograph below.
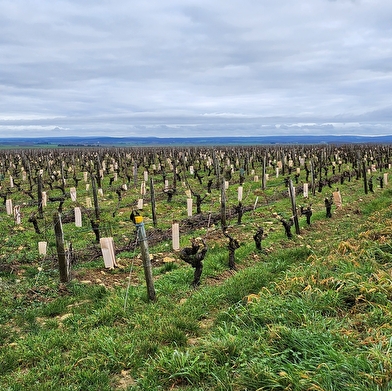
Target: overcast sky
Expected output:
[195,67]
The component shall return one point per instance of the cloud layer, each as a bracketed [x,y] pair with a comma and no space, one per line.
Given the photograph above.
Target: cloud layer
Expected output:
[191,68]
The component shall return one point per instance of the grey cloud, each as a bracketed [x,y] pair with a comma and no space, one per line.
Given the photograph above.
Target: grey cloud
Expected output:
[198,66]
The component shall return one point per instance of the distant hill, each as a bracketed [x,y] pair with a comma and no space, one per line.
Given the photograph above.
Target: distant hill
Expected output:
[187,141]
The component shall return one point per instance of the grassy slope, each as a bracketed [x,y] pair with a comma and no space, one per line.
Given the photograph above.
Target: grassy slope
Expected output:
[313,314]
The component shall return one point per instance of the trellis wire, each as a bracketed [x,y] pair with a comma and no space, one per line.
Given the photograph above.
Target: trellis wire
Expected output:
[129,276]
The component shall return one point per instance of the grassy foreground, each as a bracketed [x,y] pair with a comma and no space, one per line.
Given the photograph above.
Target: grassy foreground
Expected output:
[311,313]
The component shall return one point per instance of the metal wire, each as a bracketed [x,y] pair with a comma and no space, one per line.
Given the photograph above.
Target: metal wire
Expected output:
[130,273]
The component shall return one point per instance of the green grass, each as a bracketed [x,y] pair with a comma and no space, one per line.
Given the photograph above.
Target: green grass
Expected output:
[310,313]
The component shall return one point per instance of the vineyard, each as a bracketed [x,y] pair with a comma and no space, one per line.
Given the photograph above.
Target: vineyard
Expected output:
[197,268]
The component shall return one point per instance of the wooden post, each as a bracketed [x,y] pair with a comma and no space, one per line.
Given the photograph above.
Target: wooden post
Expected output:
[98,172]
[135,173]
[142,239]
[153,209]
[263,172]
[313,178]
[320,166]
[365,184]
[29,174]
[359,168]
[63,266]
[40,202]
[174,172]
[294,207]
[223,206]
[216,167]
[95,197]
